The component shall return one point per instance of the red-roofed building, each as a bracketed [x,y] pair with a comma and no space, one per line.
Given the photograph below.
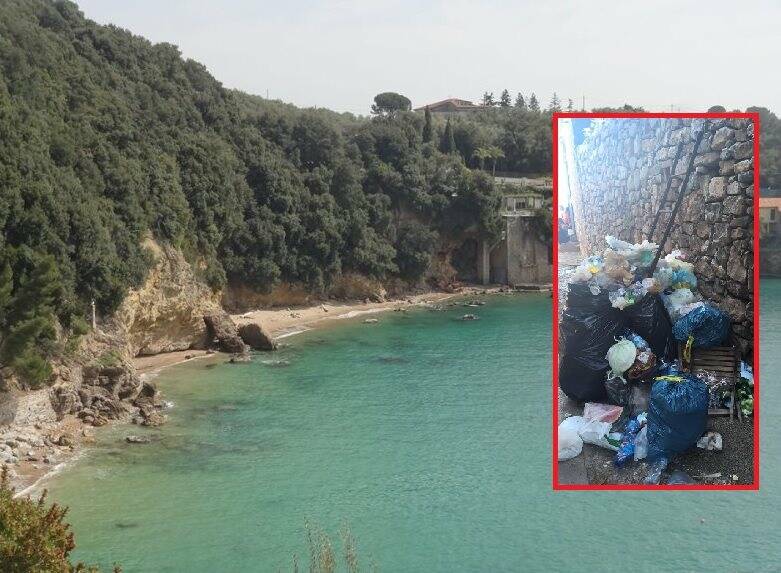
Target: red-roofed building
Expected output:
[769,216]
[451,106]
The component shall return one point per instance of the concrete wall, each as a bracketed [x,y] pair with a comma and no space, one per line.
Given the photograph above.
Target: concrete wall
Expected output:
[622,168]
[520,258]
[527,256]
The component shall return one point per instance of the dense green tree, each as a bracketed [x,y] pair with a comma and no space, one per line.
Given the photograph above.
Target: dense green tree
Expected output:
[534,105]
[488,99]
[504,99]
[520,103]
[390,103]
[428,128]
[448,143]
[413,249]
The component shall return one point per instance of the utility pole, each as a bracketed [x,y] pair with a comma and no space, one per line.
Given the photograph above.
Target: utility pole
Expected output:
[583,107]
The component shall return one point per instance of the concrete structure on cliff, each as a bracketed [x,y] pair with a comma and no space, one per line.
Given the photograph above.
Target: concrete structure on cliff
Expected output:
[622,168]
[523,254]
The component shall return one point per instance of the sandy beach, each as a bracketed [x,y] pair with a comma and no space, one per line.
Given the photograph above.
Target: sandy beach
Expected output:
[283,322]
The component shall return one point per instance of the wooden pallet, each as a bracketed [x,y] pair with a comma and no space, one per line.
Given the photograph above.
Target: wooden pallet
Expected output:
[723,361]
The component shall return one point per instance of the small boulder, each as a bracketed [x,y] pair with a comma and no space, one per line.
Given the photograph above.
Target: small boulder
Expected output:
[254,335]
[137,440]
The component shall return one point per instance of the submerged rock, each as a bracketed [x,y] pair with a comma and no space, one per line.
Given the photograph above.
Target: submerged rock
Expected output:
[137,440]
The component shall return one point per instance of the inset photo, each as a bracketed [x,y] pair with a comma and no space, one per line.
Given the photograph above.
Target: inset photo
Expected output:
[655,301]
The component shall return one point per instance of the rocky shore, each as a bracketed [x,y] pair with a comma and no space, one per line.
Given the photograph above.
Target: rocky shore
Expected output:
[171,318]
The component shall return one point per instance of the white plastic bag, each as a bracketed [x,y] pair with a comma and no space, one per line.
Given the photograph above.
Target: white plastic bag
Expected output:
[595,432]
[570,442]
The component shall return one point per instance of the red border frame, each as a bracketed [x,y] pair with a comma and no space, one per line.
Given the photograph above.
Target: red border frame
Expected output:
[585,115]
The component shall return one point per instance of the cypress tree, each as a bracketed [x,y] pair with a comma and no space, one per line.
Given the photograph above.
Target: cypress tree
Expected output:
[428,130]
[534,105]
[448,144]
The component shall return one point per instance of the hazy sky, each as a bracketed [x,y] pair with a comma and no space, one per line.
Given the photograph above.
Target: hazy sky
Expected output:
[339,54]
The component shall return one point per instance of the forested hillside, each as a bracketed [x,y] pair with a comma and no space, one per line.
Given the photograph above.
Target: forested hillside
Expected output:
[106,138]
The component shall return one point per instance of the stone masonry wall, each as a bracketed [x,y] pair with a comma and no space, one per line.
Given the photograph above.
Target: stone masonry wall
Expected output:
[622,168]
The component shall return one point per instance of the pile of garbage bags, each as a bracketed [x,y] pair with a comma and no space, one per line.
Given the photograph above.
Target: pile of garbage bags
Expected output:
[614,309]
[675,420]
[619,336]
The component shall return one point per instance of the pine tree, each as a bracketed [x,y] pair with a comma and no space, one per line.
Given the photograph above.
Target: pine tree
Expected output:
[534,105]
[488,99]
[504,99]
[555,103]
[448,144]
[520,103]
[570,104]
[428,129]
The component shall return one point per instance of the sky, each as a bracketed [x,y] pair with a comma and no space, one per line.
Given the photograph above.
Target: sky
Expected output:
[663,55]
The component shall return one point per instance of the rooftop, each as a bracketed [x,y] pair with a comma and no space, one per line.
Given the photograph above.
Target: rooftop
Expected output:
[452,103]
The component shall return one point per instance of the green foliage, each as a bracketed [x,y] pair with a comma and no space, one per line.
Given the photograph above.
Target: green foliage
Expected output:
[448,142]
[27,314]
[108,359]
[534,105]
[413,250]
[504,99]
[34,535]
[390,103]
[428,129]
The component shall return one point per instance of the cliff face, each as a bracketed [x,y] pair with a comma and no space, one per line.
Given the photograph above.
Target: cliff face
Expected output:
[166,313]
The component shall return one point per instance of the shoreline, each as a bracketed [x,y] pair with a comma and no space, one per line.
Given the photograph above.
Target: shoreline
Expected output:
[280,323]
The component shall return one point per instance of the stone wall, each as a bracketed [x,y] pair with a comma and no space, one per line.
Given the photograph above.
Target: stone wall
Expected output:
[623,166]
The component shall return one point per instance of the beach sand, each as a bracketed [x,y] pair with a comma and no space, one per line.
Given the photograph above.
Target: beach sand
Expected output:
[283,322]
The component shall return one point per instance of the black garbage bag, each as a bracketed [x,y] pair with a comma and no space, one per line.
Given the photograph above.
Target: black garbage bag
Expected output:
[589,327]
[648,318]
[677,414]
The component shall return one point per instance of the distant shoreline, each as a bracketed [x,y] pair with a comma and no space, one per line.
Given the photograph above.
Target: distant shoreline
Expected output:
[282,323]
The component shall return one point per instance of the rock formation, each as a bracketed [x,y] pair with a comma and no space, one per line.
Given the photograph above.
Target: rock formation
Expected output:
[254,335]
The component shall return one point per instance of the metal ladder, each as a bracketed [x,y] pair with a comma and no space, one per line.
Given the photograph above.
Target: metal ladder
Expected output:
[669,205]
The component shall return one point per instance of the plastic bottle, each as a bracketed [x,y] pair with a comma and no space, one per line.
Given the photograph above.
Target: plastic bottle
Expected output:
[626,451]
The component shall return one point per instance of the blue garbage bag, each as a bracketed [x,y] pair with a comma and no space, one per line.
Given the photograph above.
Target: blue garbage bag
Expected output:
[708,325]
[677,413]
[684,277]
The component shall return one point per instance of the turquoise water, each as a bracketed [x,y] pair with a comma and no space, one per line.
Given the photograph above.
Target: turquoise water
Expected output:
[428,435]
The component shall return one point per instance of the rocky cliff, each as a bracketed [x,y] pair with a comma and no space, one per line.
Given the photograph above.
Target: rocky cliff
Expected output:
[166,313]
